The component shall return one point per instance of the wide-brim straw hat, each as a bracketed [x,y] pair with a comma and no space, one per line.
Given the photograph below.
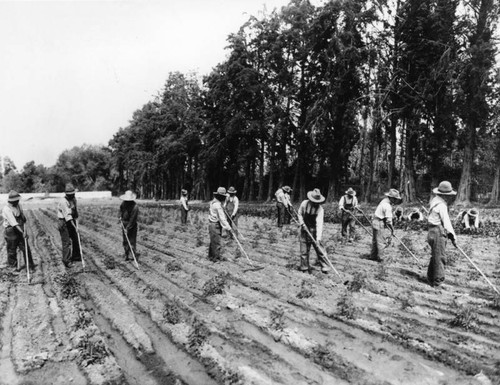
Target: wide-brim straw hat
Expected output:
[70,189]
[128,196]
[315,196]
[184,192]
[444,188]
[473,212]
[287,189]
[231,190]
[221,191]
[393,193]
[350,191]
[14,196]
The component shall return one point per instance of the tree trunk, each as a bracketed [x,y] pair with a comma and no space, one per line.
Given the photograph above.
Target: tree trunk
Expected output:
[464,187]
[495,191]
[260,196]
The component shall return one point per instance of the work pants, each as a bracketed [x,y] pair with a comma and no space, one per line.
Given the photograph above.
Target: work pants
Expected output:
[15,241]
[132,237]
[347,224]
[378,240]
[70,245]
[215,248]
[436,238]
[184,215]
[305,247]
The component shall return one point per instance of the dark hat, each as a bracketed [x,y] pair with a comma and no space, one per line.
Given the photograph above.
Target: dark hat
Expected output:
[70,189]
[315,196]
[350,191]
[444,188]
[14,196]
[184,192]
[128,196]
[473,212]
[231,190]
[286,189]
[221,191]
[393,193]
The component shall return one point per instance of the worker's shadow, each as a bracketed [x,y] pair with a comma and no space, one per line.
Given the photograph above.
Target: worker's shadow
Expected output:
[414,275]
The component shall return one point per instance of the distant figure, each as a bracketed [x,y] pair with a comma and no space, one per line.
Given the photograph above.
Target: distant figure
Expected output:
[440,229]
[469,220]
[184,206]
[67,214]
[14,231]
[311,217]
[129,213]
[283,205]
[231,206]
[415,216]
[382,219]
[216,223]
[347,204]
[398,214]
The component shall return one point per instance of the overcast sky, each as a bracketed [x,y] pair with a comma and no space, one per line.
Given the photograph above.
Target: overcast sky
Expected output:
[73,72]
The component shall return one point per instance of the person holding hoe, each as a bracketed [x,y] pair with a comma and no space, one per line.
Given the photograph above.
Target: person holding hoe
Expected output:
[440,229]
[382,219]
[67,214]
[283,205]
[14,231]
[184,206]
[347,204]
[216,223]
[231,206]
[129,212]
[311,217]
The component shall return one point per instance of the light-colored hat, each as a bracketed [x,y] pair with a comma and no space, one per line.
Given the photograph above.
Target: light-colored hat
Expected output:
[315,196]
[184,192]
[393,193]
[128,196]
[473,212]
[14,196]
[444,188]
[70,189]
[350,191]
[231,190]
[221,191]
[287,189]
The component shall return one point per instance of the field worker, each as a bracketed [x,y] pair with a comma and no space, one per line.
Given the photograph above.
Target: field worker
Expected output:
[311,216]
[14,231]
[283,205]
[347,204]
[415,216]
[67,214]
[398,214]
[129,212]
[231,205]
[382,219]
[216,223]
[440,229]
[184,206]
[469,220]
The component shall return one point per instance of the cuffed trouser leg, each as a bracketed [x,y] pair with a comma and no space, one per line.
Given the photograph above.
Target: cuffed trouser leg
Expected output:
[436,268]
[215,248]
[305,246]
[67,247]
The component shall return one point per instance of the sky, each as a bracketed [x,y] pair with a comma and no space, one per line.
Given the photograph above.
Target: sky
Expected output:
[73,72]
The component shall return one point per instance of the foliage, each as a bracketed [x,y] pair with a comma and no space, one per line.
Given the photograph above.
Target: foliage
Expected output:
[305,290]
[346,306]
[465,318]
[68,285]
[277,319]
[358,282]
[216,285]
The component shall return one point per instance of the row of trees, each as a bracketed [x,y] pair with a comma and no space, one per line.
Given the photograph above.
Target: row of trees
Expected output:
[373,94]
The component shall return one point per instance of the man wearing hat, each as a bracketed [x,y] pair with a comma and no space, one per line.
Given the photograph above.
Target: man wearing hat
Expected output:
[440,229]
[283,205]
[216,223]
[129,212]
[184,206]
[415,216]
[469,220]
[382,219]
[347,204]
[231,205]
[67,214]
[311,216]
[14,231]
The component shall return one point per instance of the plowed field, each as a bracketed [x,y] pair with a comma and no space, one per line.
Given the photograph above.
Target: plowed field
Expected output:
[182,319]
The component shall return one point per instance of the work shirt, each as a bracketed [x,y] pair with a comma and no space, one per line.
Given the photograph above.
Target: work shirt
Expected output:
[129,212]
[467,220]
[283,197]
[438,214]
[348,203]
[66,209]
[216,214]
[384,210]
[12,216]
[306,209]
[232,202]
[184,202]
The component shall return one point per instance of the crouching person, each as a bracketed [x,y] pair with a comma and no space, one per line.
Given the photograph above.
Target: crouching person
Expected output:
[469,220]
[311,218]
[216,223]
[129,212]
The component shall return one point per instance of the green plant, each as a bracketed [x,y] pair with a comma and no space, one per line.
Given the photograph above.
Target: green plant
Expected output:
[358,282]
[305,290]
[109,262]
[346,306]
[382,271]
[277,319]
[198,335]
[93,350]
[171,313]
[173,265]
[407,300]
[465,318]
[67,284]
[216,285]
[272,237]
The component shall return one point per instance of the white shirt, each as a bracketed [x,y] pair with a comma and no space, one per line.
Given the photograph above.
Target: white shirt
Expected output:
[466,220]
[438,214]
[235,201]
[343,201]
[9,214]
[384,210]
[183,201]
[64,210]
[307,208]
[216,214]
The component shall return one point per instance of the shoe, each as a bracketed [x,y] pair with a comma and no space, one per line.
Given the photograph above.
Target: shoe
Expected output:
[303,268]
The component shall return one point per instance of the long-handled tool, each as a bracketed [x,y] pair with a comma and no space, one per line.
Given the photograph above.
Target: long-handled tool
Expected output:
[233,224]
[79,244]
[422,204]
[254,268]
[129,244]
[477,268]
[407,249]
[27,258]
[357,220]
[364,215]
[318,246]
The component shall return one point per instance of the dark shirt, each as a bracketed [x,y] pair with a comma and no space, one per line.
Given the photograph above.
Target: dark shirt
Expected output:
[129,211]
